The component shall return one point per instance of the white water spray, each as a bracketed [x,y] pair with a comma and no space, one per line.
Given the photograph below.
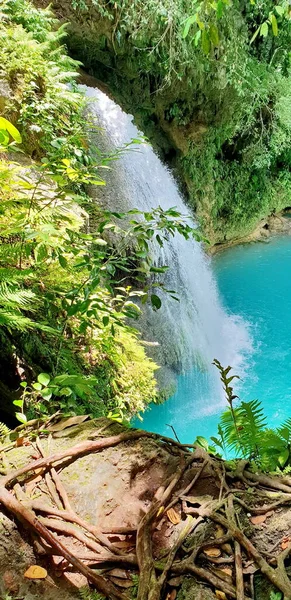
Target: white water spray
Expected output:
[197,329]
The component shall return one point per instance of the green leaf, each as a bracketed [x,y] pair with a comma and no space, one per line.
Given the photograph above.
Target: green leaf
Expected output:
[63,261]
[188,24]
[37,386]
[18,403]
[201,441]
[283,457]
[4,124]
[214,35]
[274,24]
[196,40]
[219,9]
[21,417]
[44,379]
[156,301]
[46,393]
[105,321]
[4,137]
[66,391]
[264,29]
[100,242]
[205,42]
[24,384]
[255,35]
[279,10]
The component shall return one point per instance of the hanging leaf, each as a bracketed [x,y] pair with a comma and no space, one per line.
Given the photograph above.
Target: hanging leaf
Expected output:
[37,386]
[274,24]
[188,24]
[255,35]
[156,301]
[197,37]
[214,35]
[205,42]
[4,124]
[264,29]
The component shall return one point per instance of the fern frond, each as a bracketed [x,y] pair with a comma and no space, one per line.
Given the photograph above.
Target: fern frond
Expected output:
[13,275]
[273,451]
[14,320]
[284,431]
[243,436]
[20,299]
[253,422]
[87,594]
[4,430]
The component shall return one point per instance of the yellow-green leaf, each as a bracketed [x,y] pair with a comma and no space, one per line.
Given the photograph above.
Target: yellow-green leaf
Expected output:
[274,24]
[214,35]
[4,124]
[264,29]
[205,42]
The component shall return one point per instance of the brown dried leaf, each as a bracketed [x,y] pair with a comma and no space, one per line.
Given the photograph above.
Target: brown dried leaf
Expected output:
[250,568]
[258,520]
[212,552]
[173,516]
[285,543]
[19,442]
[35,572]
[121,573]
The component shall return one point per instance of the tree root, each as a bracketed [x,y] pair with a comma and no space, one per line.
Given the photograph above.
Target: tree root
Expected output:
[182,558]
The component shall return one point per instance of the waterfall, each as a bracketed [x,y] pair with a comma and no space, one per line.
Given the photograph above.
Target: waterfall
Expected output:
[195,330]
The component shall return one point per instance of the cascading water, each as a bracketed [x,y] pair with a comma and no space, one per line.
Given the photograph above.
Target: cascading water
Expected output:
[195,330]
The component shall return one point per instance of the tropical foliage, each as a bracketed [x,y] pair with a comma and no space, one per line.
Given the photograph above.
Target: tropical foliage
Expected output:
[243,432]
[209,84]
[67,292]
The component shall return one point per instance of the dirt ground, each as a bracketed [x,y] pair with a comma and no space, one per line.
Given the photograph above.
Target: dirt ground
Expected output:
[112,490]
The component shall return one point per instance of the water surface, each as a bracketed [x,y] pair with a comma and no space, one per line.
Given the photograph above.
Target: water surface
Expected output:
[254,282]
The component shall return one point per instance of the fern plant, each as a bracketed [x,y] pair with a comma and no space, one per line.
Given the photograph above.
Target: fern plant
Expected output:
[87,594]
[4,430]
[243,432]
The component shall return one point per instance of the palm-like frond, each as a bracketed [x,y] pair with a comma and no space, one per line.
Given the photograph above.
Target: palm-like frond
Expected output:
[253,422]
[284,431]
[243,433]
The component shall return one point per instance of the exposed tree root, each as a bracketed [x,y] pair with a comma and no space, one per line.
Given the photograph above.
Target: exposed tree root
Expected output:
[185,556]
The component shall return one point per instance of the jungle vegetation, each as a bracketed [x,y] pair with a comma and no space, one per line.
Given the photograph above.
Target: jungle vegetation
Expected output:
[67,295]
[209,83]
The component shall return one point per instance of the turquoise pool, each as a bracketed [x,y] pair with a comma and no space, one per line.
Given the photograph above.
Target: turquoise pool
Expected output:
[254,282]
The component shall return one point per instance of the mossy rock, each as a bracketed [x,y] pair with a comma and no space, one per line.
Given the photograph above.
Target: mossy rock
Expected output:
[191,590]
